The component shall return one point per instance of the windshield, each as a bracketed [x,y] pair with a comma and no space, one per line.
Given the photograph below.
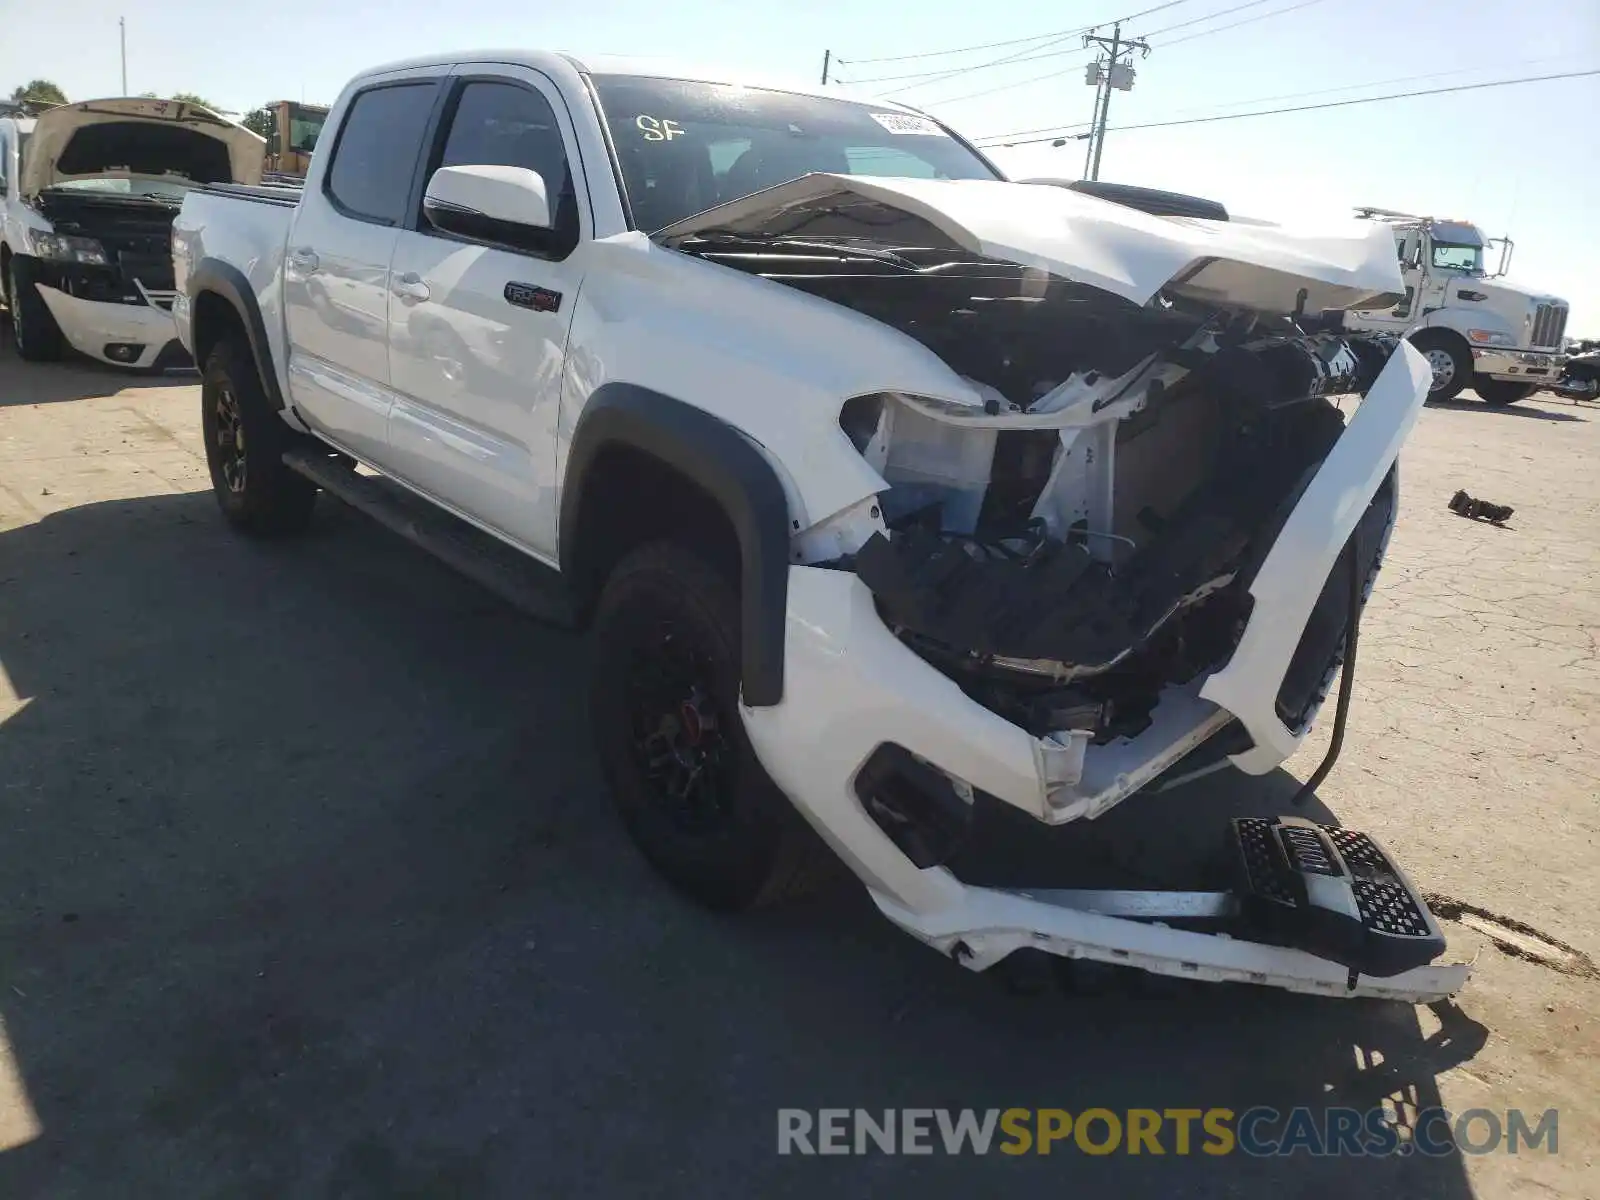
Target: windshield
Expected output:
[685,146]
[305,127]
[1455,256]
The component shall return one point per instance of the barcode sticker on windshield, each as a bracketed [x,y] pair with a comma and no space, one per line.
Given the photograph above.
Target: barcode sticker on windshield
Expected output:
[908,123]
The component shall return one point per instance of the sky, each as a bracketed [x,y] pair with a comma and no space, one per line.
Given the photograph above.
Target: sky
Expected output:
[1523,161]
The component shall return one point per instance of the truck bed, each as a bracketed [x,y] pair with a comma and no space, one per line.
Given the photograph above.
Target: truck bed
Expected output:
[243,228]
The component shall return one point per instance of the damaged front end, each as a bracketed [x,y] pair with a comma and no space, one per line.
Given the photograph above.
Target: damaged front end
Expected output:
[1075,547]
[1083,567]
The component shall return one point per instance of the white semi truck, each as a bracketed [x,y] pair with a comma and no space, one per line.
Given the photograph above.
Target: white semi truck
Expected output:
[1475,328]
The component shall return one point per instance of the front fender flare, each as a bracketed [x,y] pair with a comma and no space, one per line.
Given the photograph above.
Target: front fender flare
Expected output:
[733,472]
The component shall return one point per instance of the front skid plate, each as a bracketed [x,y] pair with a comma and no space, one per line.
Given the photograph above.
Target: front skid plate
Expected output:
[988,925]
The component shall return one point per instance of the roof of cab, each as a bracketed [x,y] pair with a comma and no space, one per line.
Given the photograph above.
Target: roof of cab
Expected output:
[611,64]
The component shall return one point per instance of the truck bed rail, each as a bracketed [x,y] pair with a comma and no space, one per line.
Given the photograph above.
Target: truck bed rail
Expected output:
[285,195]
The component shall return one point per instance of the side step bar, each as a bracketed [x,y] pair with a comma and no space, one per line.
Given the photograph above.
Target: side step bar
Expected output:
[519,580]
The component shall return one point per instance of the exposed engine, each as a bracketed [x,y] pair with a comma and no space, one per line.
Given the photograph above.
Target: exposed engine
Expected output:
[1088,536]
[135,237]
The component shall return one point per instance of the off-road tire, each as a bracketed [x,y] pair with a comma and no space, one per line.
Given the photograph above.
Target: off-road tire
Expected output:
[34,331]
[1431,343]
[1501,392]
[265,498]
[756,850]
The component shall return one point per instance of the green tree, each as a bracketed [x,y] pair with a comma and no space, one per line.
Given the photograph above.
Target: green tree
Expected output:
[263,122]
[191,98]
[39,91]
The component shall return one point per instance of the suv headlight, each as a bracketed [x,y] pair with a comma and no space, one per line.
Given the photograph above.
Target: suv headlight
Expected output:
[63,247]
[1490,337]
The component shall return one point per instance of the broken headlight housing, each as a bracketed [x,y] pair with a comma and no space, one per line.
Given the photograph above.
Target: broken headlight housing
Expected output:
[64,247]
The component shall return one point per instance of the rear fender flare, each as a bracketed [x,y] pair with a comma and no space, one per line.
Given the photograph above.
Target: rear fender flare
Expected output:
[227,281]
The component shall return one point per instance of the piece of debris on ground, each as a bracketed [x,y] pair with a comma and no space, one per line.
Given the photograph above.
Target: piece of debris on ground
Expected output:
[1480,510]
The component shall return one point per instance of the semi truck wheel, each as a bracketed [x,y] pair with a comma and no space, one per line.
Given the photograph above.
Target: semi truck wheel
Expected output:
[245,441]
[33,325]
[665,712]
[1501,392]
[1449,359]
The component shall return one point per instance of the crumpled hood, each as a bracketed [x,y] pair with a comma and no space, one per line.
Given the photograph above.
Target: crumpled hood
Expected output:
[152,138]
[1131,254]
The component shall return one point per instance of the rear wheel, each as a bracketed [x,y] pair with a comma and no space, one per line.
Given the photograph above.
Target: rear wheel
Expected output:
[665,712]
[33,325]
[1450,361]
[245,440]
[1501,392]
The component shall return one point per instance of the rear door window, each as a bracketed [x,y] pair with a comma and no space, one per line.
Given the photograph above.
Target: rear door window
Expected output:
[377,151]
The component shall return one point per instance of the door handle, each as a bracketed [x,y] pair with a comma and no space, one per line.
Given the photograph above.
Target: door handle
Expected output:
[411,288]
[303,260]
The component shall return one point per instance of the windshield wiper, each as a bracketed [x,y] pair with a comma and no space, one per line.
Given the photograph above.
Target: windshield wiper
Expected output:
[844,247]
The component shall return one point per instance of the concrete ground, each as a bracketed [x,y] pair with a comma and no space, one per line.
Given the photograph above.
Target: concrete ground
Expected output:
[308,885]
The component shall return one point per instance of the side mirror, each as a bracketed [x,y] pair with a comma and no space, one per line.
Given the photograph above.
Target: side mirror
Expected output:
[508,205]
[1506,247]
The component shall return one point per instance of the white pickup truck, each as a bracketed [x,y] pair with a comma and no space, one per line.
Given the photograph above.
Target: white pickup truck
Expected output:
[892,492]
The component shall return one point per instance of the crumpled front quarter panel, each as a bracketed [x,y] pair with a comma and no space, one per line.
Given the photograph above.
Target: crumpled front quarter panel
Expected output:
[1295,569]
[771,361]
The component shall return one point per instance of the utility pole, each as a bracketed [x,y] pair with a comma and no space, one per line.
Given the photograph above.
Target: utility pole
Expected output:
[122,33]
[1113,70]
[827,58]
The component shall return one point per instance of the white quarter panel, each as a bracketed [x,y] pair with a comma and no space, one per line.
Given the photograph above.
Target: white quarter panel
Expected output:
[771,361]
[1295,570]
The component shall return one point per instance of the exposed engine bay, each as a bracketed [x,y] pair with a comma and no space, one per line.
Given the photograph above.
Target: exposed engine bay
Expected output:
[134,238]
[1088,535]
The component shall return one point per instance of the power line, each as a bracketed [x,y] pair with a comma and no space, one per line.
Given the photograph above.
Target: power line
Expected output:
[949,73]
[1054,73]
[1189,37]
[1058,53]
[1271,112]
[1208,17]
[1348,87]
[1041,42]
[1038,37]
[1021,55]
[1032,53]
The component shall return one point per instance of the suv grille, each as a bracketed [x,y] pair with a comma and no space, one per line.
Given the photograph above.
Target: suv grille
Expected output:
[1549,323]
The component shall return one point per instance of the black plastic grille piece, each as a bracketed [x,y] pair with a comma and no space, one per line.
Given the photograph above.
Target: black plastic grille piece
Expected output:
[1381,928]
[1264,867]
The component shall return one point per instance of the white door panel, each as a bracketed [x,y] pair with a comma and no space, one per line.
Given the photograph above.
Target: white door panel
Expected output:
[477,333]
[336,307]
[336,292]
[477,382]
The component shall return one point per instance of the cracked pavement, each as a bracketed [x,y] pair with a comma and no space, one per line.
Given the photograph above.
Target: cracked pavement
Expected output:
[311,889]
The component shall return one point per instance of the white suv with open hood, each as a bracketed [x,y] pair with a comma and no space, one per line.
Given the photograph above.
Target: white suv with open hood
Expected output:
[90,192]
